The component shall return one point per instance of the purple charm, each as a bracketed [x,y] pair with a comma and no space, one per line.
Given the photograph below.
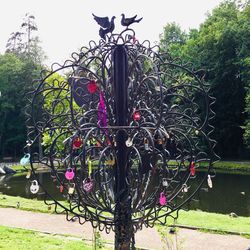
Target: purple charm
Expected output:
[88,184]
[102,114]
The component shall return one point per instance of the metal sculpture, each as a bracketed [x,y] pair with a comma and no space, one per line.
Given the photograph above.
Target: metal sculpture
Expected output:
[124,130]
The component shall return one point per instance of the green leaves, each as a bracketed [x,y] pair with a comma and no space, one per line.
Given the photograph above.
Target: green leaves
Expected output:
[221,46]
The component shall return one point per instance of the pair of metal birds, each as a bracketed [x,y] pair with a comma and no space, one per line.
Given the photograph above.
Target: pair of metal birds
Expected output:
[107,26]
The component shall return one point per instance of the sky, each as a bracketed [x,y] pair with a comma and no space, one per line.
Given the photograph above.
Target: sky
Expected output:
[65,26]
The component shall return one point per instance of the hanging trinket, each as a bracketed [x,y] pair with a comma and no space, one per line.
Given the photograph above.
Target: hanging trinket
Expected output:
[77,143]
[69,174]
[164,182]
[28,174]
[146,144]
[196,132]
[136,116]
[25,160]
[88,184]
[61,188]
[185,188]
[91,86]
[89,166]
[71,188]
[209,181]
[102,113]
[192,168]
[163,199]
[159,141]
[129,142]
[34,187]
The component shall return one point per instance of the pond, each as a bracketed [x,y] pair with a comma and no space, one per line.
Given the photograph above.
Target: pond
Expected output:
[230,192]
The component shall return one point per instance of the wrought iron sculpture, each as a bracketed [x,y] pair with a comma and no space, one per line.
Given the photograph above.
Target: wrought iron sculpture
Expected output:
[124,129]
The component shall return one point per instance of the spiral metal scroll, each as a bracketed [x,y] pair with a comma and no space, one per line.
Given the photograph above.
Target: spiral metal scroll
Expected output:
[72,110]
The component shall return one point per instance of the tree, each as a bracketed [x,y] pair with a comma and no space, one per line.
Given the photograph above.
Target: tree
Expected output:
[21,63]
[221,46]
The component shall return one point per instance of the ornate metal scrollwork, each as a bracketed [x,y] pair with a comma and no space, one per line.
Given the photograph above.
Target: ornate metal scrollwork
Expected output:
[167,133]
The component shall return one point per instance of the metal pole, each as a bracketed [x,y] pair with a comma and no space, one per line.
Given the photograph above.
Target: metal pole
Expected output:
[123,223]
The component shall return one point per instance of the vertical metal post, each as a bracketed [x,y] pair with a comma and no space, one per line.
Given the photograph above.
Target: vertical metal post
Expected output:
[123,223]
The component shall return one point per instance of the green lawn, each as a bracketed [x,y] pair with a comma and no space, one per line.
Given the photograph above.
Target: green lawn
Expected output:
[214,221]
[203,220]
[20,239]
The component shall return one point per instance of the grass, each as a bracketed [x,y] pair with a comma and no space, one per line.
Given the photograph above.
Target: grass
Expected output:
[25,204]
[22,239]
[202,220]
[214,221]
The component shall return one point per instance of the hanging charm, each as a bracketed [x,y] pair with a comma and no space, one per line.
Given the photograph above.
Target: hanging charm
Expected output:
[209,181]
[69,174]
[71,188]
[25,160]
[164,182]
[192,168]
[102,114]
[185,188]
[91,86]
[129,142]
[77,143]
[136,115]
[163,199]
[146,144]
[34,187]
[28,174]
[61,188]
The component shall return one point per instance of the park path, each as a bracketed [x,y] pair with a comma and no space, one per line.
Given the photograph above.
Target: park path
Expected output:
[147,238]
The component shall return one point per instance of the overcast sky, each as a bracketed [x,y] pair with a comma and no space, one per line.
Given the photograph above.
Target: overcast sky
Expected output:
[64,26]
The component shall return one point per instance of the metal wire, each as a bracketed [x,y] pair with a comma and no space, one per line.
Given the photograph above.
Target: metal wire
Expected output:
[169,110]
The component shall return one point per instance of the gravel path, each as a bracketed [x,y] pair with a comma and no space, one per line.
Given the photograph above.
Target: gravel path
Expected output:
[147,238]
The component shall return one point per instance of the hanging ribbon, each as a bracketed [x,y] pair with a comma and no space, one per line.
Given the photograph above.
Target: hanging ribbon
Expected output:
[102,114]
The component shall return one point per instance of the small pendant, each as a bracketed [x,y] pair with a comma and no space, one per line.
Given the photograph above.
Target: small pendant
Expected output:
[136,116]
[163,199]
[69,174]
[192,168]
[28,174]
[185,188]
[25,160]
[71,189]
[89,167]
[77,143]
[34,188]
[209,181]
[61,188]
[146,144]
[88,184]
[129,142]
[164,182]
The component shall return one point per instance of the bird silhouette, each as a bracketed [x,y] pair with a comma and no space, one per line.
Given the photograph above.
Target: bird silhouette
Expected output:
[106,25]
[128,21]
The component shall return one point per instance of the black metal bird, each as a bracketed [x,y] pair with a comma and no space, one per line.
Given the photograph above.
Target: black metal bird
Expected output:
[106,25]
[129,21]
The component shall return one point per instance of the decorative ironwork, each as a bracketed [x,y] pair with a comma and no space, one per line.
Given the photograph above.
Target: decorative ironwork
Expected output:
[124,129]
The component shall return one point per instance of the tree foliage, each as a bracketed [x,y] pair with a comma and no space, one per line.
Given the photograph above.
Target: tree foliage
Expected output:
[221,47]
[21,63]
